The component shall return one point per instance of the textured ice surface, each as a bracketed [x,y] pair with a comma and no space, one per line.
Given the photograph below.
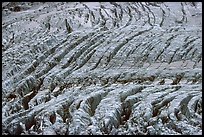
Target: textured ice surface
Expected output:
[98,68]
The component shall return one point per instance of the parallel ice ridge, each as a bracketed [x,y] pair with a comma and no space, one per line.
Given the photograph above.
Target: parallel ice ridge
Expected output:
[102,68]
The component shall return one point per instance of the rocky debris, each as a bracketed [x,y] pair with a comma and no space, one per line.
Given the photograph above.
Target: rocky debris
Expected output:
[94,68]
